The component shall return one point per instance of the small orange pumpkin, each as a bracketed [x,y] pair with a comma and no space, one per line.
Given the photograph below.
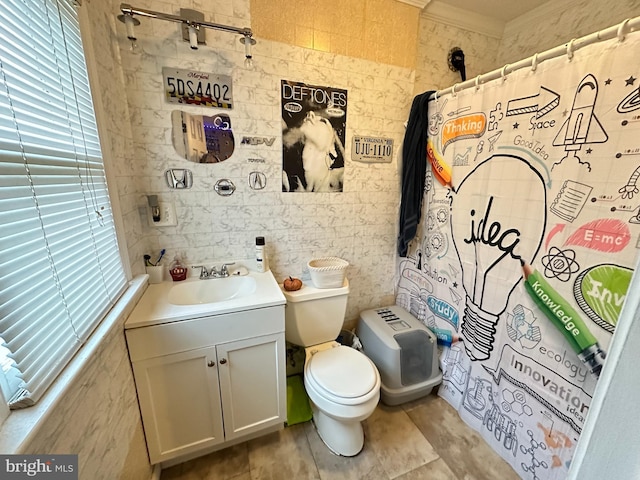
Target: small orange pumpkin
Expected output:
[292,284]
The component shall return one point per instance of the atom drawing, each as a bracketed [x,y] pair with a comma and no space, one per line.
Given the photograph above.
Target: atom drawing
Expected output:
[560,264]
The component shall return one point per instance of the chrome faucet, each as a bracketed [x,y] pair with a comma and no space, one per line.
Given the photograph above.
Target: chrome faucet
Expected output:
[224,272]
[206,274]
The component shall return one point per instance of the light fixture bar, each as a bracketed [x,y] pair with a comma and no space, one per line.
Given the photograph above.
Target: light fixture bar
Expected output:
[129,10]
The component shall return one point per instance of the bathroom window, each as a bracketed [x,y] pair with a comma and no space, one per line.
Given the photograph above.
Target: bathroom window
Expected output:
[60,268]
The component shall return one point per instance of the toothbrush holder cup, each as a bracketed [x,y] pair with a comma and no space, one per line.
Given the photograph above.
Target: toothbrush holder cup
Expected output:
[156,274]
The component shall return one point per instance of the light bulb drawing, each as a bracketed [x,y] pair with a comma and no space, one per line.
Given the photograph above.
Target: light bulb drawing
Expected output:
[497,222]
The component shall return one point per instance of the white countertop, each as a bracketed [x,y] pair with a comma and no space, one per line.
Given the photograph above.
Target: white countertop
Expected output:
[154,307]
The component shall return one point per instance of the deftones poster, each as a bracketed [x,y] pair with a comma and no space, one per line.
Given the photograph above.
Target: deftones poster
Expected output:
[314,120]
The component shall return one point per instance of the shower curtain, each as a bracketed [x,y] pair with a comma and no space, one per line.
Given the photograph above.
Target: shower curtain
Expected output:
[546,173]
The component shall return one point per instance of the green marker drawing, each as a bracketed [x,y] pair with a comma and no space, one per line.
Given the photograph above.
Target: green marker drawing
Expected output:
[565,318]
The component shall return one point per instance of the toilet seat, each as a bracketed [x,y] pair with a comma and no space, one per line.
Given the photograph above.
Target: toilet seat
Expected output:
[342,375]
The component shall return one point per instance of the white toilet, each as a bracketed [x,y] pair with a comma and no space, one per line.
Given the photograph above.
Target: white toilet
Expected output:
[342,383]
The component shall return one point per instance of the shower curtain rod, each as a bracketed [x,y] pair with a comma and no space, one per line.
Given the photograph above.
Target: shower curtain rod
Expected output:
[626,26]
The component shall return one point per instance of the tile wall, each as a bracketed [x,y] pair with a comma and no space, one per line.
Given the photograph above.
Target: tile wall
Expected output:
[436,39]
[383,31]
[552,24]
[358,224]
[113,113]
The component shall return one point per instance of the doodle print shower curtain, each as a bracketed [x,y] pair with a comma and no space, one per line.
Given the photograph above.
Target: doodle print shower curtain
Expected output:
[546,171]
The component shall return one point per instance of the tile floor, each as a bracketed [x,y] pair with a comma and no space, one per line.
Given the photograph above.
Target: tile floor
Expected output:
[423,439]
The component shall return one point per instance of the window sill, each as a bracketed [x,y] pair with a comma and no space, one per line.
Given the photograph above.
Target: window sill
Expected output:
[19,427]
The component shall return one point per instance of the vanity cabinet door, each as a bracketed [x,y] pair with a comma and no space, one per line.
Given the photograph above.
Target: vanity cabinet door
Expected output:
[252,384]
[180,402]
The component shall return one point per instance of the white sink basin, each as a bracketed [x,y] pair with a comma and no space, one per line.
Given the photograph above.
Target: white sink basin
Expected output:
[194,298]
[211,291]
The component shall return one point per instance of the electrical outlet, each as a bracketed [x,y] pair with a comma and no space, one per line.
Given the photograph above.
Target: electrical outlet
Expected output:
[167,215]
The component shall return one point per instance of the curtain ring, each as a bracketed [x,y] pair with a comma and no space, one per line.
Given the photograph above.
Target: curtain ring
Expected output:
[570,49]
[503,72]
[478,82]
[453,90]
[534,63]
[435,97]
[622,28]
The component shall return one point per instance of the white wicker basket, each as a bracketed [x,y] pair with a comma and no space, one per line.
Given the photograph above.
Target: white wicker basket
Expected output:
[327,272]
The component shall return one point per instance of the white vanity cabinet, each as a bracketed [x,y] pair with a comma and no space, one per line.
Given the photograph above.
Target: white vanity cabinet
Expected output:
[209,382]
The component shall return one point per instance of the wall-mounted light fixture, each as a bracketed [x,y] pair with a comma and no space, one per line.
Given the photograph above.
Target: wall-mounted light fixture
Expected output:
[248,42]
[130,23]
[194,27]
[193,36]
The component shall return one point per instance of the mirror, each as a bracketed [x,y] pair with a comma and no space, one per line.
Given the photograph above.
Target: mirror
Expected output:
[202,139]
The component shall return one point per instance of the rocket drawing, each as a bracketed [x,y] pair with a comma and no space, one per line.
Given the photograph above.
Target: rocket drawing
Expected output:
[582,127]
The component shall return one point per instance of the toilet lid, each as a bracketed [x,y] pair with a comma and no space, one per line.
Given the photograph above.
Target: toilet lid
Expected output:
[342,371]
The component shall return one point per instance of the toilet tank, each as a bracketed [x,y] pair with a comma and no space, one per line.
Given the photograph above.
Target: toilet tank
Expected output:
[314,315]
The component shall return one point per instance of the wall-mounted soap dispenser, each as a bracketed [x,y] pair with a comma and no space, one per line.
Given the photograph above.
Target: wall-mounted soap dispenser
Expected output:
[161,213]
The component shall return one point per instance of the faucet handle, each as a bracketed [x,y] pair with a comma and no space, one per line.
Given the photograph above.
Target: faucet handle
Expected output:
[224,271]
[204,273]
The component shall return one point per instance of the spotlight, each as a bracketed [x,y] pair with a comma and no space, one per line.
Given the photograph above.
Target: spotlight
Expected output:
[248,42]
[193,36]
[130,23]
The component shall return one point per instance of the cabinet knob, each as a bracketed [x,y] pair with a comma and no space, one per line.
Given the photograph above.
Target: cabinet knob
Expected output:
[211,363]
[223,361]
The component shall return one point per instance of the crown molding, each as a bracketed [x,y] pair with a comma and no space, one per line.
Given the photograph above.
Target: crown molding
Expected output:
[416,3]
[538,15]
[464,19]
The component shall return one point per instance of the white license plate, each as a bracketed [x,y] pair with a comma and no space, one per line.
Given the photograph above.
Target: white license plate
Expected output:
[190,87]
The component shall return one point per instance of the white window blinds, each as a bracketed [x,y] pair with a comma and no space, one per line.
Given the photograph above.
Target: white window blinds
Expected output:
[60,269]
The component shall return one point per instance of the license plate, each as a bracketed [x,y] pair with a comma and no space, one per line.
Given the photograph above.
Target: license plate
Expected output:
[372,149]
[190,87]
